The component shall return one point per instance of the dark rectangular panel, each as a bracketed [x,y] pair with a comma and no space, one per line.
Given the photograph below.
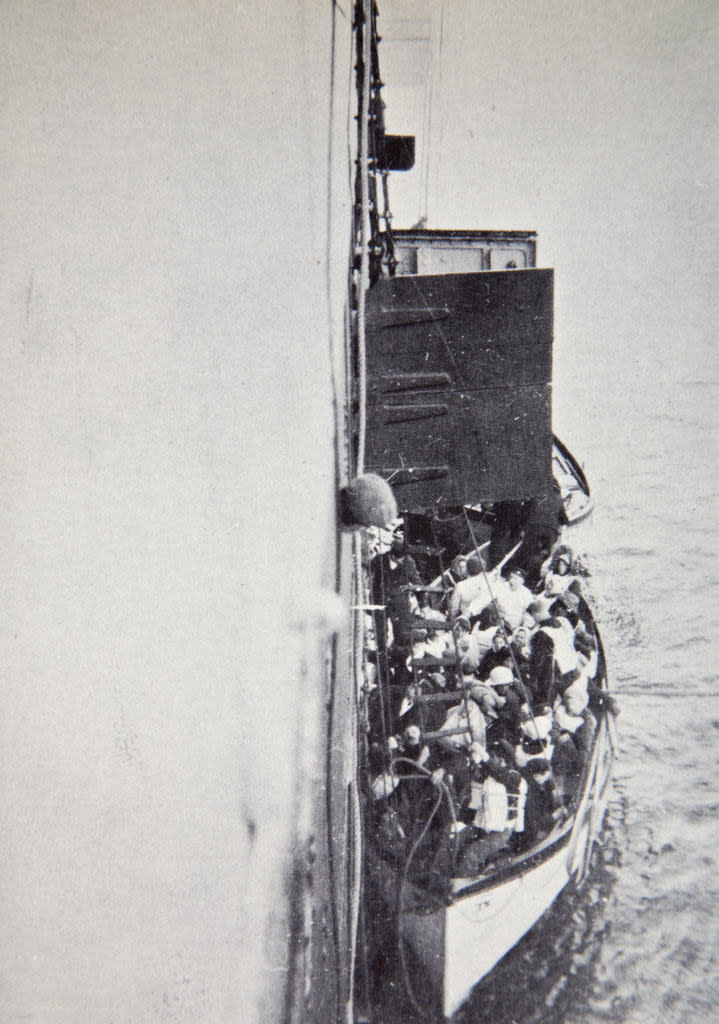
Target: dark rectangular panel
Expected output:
[396,153]
[459,405]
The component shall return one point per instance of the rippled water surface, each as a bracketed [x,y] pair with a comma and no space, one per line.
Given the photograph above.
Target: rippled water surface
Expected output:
[640,943]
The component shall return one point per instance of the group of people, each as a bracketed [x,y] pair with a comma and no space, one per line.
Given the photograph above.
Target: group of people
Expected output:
[480,690]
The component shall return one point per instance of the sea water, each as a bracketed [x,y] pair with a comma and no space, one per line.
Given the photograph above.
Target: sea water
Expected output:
[639,944]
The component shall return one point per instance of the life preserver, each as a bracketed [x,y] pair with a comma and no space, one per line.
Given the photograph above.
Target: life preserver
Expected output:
[497,807]
[565,653]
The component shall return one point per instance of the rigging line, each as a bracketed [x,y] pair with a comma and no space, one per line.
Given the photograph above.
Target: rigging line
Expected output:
[415,672]
[349,332]
[355,810]
[443,790]
[363,283]
[334,367]
[382,656]
[383,686]
[439,148]
[428,160]
[328,239]
[514,660]
[401,878]
[387,715]
[435,321]
[428,132]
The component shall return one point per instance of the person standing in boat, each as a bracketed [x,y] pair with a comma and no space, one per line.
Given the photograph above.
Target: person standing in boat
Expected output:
[393,574]
[473,595]
[573,733]
[476,587]
[538,521]
[512,597]
[553,658]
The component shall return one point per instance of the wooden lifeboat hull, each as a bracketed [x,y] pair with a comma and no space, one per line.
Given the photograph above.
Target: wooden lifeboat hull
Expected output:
[569,475]
[448,949]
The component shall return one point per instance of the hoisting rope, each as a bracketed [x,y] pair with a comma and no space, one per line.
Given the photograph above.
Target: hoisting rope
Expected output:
[363,284]
[443,793]
[356,812]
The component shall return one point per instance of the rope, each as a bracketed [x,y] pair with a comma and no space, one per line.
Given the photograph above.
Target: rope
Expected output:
[363,285]
[382,657]
[403,882]
[355,810]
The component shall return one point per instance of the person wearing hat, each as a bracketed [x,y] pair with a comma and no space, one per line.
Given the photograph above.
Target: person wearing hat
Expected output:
[512,597]
[490,694]
[508,698]
[393,573]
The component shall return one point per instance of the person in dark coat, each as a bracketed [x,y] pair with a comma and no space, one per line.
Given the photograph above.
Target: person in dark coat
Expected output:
[393,573]
[543,809]
[499,654]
